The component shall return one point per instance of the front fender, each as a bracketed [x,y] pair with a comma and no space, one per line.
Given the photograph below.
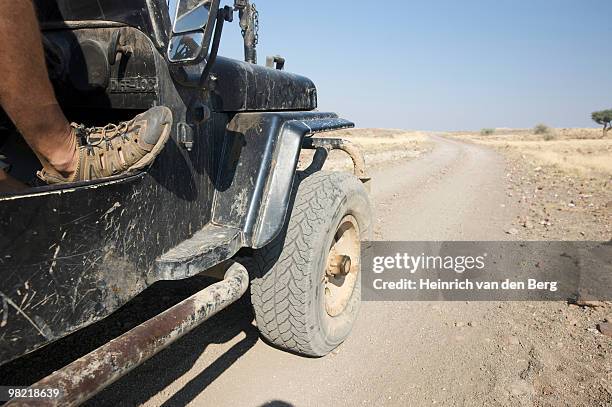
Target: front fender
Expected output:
[259,163]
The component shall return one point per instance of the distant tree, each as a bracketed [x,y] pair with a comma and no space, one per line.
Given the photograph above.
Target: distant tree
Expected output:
[487,132]
[603,118]
[541,129]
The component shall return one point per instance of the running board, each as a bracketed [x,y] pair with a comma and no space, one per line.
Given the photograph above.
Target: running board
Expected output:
[208,247]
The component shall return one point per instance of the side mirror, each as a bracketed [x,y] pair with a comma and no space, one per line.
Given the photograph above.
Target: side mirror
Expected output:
[193,24]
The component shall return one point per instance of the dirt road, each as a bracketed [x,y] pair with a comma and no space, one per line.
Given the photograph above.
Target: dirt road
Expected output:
[477,353]
[456,192]
[399,353]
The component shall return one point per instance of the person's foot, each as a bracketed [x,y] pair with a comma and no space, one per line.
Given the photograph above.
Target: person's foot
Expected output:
[115,149]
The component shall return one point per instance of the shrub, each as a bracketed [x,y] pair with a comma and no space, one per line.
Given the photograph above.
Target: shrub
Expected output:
[541,129]
[603,118]
[487,132]
[550,136]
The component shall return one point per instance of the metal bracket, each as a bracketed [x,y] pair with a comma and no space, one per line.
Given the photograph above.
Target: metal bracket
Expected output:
[328,144]
[117,47]
[249,25]
[185,135]
[276,62]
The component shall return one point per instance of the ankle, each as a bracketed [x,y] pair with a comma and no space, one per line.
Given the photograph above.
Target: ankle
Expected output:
[66,164]
[64,157]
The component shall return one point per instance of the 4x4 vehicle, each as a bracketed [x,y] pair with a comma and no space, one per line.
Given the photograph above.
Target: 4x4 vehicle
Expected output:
[225,192]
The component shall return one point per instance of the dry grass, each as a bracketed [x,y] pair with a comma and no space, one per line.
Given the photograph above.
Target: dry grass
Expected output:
[379,146]
[560,181]
[574,151]
[372,140]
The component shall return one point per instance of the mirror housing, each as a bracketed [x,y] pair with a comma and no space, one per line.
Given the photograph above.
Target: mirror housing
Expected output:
[193,25]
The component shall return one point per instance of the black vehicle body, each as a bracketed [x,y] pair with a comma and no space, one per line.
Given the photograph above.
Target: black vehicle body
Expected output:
[70,256]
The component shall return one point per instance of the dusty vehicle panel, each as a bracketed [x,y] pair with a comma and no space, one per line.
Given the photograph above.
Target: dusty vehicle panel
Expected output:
[226,180]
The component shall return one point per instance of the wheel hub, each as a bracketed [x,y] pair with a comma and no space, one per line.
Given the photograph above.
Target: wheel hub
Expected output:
[343,265]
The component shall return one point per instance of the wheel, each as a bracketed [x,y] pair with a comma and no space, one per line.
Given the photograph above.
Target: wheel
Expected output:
[306,286]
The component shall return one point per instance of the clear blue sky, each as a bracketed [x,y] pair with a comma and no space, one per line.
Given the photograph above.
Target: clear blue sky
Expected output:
[445,64]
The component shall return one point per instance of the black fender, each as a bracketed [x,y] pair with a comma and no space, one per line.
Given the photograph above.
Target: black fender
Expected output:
[261,155]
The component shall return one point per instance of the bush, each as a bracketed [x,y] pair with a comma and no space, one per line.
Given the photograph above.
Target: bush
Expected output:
[541,129]
[550,136]
[603,118]
[487,132]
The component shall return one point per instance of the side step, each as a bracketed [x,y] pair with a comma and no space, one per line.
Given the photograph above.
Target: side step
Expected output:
[208,247]
[85,377]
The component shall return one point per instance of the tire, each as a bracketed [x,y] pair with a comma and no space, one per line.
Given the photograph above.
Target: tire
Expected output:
[289,289]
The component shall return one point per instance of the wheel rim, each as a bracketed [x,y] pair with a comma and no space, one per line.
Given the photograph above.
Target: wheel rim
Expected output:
[342,267]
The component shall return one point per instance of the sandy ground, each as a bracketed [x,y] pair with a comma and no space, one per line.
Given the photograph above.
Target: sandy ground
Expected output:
[410,353]
[561,181]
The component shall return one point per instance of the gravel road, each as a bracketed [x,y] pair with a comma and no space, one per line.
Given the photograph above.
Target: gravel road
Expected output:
[419,353]
[397,353]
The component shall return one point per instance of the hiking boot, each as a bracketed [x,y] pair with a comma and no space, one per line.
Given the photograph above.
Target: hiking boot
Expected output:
[115,149]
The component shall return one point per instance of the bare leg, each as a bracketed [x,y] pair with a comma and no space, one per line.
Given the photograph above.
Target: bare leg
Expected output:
[26,94]
[27,97]
[10,184]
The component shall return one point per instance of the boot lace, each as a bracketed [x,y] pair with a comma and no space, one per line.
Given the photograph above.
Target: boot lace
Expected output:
[96,137]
